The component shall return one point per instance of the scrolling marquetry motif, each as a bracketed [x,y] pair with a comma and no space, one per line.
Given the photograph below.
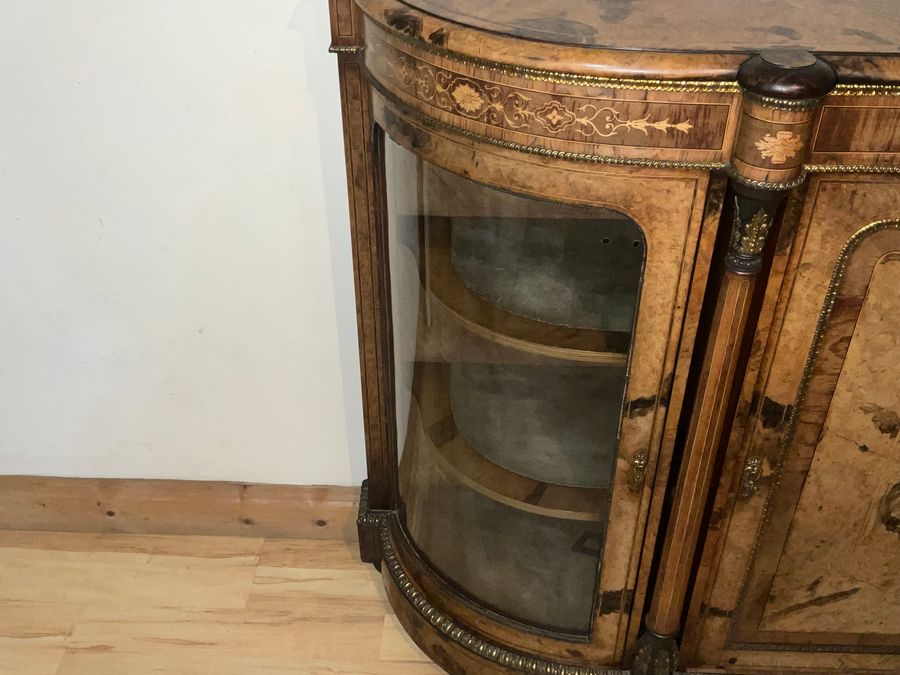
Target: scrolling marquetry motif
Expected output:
[462,95]
[508,108]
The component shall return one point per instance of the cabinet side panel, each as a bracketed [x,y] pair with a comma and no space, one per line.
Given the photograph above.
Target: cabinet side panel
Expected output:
[361,173]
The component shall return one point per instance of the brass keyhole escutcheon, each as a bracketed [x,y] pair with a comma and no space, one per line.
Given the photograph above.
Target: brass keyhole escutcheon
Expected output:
[636,473]
[750,478]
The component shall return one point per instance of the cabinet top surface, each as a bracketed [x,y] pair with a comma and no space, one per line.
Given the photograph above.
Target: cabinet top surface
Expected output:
[825,26]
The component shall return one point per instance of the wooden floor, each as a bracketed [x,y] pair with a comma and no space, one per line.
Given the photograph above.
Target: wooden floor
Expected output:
[118,604]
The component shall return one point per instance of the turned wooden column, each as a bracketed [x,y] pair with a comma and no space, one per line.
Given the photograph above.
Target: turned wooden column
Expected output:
[782,92]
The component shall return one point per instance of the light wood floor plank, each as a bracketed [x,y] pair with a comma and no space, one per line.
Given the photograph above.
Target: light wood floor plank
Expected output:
[125,578]
[310,553]
[34,656]
[277,638]
[146,664]
[163,544]
[33,636]
[316,592]
[108,604]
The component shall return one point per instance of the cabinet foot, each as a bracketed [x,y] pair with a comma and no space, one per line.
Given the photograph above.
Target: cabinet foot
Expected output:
[368,524]
[656,655]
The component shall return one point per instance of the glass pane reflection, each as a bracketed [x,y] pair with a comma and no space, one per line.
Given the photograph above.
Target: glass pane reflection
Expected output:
[512,322]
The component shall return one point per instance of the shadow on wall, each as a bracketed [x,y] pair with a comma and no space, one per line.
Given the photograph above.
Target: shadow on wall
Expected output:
[321,85]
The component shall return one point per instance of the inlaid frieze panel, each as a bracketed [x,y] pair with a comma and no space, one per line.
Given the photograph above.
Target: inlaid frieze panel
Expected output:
[663,125]
[859,130]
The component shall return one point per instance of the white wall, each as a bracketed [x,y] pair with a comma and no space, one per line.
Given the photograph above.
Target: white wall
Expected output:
[176,292]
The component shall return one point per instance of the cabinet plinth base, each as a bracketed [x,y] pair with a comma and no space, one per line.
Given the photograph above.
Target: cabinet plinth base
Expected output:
[367,525]
[455,647]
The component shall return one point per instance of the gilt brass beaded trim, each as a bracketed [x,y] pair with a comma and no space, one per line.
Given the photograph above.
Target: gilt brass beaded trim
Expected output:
[366,516]
[346,49]
[822,325]
[432,123]
[852,168]
[782,104]
[866,90]
[816,168]
[482,648]
[762,185]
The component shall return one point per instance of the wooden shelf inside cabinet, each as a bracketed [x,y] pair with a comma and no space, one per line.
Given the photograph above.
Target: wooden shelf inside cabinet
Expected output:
[432,413]
[460,530]
[509,329]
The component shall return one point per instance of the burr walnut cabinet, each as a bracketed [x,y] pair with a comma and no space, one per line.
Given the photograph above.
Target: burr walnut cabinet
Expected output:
[626,278]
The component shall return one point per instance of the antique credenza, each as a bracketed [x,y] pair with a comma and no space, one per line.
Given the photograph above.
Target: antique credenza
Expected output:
[627,282]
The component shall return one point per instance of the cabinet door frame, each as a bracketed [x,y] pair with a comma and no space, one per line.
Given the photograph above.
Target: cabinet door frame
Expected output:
[846,224]
[670,207]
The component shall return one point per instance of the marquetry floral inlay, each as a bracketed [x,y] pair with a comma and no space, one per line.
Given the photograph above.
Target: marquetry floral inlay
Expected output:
[504,107]
[554,116]
[781,147]
[467,97]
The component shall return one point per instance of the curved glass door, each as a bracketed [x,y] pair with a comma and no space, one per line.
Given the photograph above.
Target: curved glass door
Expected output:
[512,322]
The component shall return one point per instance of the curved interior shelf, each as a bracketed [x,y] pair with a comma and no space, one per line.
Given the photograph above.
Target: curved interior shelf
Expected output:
[558,425]
[567,271]
[441,336]
[477,468]
[490,320]
[465,525]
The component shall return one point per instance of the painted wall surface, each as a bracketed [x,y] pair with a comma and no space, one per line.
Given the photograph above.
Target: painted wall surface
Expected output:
[176,289]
